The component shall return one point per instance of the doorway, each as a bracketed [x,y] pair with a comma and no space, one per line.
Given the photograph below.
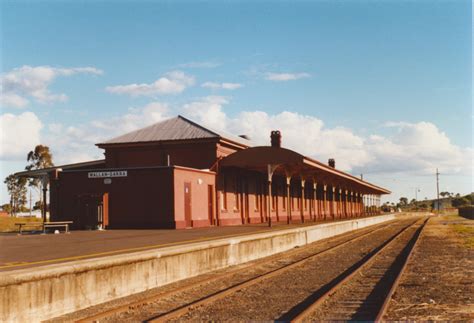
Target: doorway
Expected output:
[187,204]
[210,204]
[93,211]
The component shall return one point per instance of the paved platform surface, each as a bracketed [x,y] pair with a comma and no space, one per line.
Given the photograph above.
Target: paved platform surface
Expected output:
[30,250]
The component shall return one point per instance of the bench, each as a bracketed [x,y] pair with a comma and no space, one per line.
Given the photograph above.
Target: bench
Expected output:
[44,225]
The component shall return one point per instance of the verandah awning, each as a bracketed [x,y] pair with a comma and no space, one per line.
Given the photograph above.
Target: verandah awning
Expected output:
[286,162]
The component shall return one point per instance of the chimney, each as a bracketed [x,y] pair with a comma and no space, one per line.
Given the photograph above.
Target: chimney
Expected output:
[332,162]
[276,138]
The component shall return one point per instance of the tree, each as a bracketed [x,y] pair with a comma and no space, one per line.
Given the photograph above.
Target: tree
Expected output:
[445,194]
[7,208]
[39,158]
[460,201]
[37,206]
[470,197]
[403,201]
[16,187]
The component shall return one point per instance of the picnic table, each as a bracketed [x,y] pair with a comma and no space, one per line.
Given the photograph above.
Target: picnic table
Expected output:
[44,225]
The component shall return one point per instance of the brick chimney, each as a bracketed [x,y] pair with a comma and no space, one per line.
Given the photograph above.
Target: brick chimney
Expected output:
[332,162]
[276,138]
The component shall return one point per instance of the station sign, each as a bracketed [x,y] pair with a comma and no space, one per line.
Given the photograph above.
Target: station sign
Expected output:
[115,173]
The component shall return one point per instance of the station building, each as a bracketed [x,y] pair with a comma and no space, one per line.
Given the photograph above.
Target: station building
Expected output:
[180,174]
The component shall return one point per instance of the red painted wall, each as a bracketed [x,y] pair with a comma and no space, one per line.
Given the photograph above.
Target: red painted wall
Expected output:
[200,155]
[199,183]
[143,199]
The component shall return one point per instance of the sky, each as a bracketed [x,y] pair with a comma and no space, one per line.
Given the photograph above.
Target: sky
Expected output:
[384,87]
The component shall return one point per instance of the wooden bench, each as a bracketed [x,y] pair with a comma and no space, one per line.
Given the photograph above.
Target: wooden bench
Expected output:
[27,224]
[44,225]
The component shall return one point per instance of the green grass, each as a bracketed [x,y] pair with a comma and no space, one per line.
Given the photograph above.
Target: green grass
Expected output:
[7,224]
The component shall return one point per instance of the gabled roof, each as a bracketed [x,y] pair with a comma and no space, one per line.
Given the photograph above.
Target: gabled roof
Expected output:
[177,128]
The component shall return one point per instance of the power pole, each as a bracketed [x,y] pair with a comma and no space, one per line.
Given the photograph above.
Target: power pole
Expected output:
[437,188]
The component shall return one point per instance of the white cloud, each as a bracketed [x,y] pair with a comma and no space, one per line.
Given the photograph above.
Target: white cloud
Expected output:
[415,148]
[21,83]
[208,110]
[205,64]
[405,157]
[409,149]
[280,77]
[171,83]
[134,119]
[72,144]
[12,100]
[305,134]
[224,86]
[18,135]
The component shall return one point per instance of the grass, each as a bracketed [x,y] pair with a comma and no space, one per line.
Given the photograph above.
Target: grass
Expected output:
[464,231]
[7,224]
[467,234]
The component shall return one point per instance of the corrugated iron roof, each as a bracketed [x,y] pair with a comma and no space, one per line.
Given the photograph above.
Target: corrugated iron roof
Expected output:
[177,128]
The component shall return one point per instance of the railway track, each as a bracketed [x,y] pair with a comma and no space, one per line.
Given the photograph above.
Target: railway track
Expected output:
[308,312]
[353,307]
[364,294]
[348,238]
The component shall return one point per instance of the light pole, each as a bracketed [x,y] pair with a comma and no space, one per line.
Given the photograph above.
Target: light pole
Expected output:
[417,189]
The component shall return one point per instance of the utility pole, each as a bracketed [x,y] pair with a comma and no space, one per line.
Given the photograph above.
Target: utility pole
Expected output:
[437,188]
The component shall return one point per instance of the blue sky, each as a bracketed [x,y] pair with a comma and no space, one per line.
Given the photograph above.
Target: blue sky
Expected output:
[372,76]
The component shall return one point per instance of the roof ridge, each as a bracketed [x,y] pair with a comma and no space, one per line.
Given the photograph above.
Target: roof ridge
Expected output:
[136,130]
[223,134]
[176,122]
[194,123]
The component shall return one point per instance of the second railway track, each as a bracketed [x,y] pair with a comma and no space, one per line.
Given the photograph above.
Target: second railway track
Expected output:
[364,294]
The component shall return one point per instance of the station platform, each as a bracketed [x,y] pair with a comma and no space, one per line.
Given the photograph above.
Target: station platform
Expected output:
[31,250]
[47,276]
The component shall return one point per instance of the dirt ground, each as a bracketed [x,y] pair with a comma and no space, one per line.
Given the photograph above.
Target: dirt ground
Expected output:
[439,281]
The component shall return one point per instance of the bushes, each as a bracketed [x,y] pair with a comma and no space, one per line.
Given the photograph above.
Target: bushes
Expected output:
[467,211]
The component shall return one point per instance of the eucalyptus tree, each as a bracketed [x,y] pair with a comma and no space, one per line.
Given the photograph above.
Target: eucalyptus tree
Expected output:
[39,158]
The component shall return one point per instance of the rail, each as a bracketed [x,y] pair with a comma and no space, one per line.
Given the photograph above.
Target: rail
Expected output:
[309,310]
[353,237]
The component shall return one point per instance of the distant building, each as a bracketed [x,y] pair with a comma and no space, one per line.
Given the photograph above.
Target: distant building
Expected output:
[179,174]
[443,203]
